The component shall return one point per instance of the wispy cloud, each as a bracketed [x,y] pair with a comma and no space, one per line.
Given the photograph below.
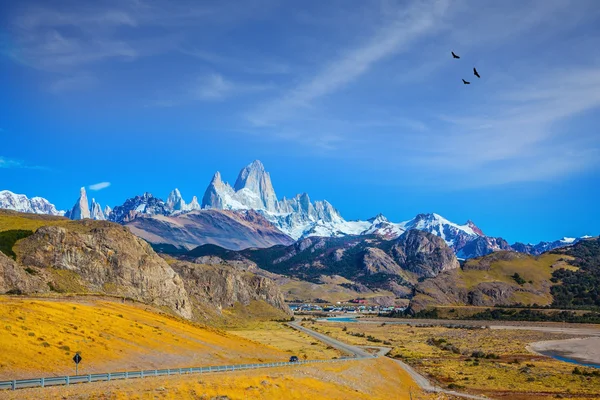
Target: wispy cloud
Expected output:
[73,83]
[214,87]
[99,186]
[13,163]
[408,26]
[256,64]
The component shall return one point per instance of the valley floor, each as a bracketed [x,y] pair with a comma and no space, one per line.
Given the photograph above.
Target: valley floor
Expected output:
[495,363]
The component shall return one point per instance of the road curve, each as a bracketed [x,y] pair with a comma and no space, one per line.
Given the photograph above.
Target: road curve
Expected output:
[354,351]
[359,353]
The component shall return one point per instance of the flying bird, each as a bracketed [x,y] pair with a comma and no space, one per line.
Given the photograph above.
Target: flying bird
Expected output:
[466,83]
[454,55]
[476,73]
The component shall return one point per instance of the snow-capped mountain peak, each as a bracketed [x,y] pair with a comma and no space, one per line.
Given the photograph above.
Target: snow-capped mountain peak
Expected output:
[20,202]
[175,201]
[81,209]
[96,211]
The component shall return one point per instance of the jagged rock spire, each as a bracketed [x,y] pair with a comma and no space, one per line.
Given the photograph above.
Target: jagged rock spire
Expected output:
[81,208]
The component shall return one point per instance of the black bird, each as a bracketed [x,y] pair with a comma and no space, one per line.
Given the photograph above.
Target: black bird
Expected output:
[476,73]
[466,83]
[454,55]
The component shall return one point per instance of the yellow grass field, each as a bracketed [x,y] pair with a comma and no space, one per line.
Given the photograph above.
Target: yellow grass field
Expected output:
[285,338]
[354,380]
[38,337]
[516,374]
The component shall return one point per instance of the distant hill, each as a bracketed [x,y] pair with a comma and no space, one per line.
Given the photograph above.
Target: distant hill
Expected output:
[394,265]
[563,278]
[579,287]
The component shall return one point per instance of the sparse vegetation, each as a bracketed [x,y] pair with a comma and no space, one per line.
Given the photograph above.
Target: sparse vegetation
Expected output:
[491,362]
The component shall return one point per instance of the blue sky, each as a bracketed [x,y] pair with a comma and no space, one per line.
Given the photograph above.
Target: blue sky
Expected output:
[356,102]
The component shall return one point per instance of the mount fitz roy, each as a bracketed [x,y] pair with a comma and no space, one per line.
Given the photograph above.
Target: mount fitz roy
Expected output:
[249,214]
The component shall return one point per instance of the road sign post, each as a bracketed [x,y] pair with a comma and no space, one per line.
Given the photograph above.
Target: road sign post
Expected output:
[77,359]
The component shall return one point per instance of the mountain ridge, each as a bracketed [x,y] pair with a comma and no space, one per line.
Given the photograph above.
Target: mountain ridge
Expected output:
[297,217]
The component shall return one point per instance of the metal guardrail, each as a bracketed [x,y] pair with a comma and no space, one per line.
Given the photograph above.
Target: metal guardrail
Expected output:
[73,379]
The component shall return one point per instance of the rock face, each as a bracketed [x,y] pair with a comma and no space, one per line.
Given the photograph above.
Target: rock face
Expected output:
[423,253]
[107,212]
[175,201]
[20,202]
[223,286]
[81,208]
[369,260]
[105,258]
[14,279]
[96,211]
[146,205]
[194,205]
[254,183]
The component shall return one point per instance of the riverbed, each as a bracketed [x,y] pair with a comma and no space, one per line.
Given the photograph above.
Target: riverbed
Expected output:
[584,351]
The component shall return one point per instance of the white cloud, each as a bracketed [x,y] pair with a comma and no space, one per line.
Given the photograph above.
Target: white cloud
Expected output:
[13,163]
[10,163]
[408,26]
[99,186]
[214,87]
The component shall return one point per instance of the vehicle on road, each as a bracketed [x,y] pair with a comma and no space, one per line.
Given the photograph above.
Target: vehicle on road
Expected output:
[293,359]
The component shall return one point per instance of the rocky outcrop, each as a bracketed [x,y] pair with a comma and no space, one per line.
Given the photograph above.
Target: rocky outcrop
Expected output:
[194,205]
[481,246]
[102,257]
[423,253]
[377,261]
[223,286]
[146,205]
[81,209]
[254,185]
[96,212]
[14,279]
[175,201]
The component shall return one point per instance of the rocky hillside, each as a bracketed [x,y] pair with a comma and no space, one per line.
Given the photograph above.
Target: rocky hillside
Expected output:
[395,265]
[102,257]
[500,278]
[223,286]
[229,229]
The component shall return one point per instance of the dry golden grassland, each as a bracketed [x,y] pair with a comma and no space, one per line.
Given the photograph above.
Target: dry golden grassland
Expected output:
[282,337]
[354,380]
[38,337]
[516,374]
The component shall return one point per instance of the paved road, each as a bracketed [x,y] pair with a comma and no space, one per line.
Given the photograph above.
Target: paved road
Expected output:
[344,347]
[358,352]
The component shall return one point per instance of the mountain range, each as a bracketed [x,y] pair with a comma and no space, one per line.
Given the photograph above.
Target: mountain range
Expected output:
[249,214]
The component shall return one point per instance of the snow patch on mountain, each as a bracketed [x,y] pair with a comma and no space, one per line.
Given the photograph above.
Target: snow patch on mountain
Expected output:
[20,202]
